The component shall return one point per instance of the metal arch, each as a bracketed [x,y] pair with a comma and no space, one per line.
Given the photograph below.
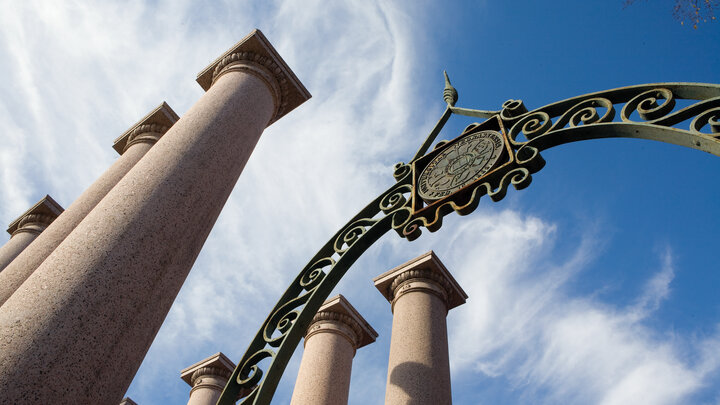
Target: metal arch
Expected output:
[589,116]
[579,118]
[673,136]
[646,112]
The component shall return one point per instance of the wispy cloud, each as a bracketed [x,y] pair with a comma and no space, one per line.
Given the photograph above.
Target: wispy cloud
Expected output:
[656,290]
[527,329]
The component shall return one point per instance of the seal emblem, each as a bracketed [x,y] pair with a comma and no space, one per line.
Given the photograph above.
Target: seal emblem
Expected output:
[460,164]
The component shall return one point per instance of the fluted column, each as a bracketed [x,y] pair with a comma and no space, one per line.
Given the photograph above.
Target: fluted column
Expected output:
[207,379]
[106,289]
[335,333]
[421,292]
[25,229]
[132,145]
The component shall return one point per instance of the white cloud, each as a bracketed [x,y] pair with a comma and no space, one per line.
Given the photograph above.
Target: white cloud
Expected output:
[656,290]
[521,324]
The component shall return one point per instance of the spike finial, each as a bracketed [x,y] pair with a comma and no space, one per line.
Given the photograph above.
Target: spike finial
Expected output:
[449,94]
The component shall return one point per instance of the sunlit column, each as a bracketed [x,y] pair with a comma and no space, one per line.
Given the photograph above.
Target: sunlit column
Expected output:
[207,379]
[335,333]
[103,293]
[128,401]
[421,292]
[25,229]
[132,145]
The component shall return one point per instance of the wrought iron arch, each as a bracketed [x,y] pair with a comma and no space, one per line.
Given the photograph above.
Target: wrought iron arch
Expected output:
[647,111]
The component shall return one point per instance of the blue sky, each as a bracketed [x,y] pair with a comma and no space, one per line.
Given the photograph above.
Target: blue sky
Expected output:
[595,285]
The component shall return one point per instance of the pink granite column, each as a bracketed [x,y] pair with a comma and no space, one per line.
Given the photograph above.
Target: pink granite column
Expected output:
[335,333]
[25,229]
[132,145]
[207,379]
[421,293]
[98,300]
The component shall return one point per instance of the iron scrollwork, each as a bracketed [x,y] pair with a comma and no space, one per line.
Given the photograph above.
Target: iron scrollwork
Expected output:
[282,330]
[646,112]
[581,118]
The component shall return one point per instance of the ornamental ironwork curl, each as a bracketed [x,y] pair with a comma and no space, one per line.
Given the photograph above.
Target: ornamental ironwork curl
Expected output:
[496,189]
[657,117]
[399,208]
[287,323]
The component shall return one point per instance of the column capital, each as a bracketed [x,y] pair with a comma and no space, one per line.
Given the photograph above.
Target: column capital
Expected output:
[353,326]
[432,274]
[37,218]
[149,129]
[128,401]
[217,365]
[255,55]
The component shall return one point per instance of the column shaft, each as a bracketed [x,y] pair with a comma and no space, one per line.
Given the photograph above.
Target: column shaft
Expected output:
[102,281]
[324,375]
[12,248]
[418,351]
[335,333]
[26,262]
[207,391]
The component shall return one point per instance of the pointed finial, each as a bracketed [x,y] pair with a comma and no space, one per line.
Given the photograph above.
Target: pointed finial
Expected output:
[449,94]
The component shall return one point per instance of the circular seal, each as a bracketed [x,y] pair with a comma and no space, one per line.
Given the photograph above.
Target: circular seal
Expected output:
[460,164]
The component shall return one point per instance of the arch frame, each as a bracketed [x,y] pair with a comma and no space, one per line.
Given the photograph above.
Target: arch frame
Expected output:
[646,111]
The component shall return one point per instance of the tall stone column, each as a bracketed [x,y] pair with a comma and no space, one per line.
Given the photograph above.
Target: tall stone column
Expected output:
[132,145]
[207,379]
[26,229]
[335,333]
[98,300]
[421,292]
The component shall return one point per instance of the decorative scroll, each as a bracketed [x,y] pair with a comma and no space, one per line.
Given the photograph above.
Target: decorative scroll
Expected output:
[284,328]
[646,111]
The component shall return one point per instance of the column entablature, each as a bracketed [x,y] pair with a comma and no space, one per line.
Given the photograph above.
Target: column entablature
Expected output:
[424,273]
[37,218]
[261,67]
[34,223]
[216,365]
[336,315]
[146,133]
[210,371]
[255,55]
[149,129]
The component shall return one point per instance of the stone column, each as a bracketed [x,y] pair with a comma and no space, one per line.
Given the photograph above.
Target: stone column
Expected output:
[128,401]
[26,229]
[207,379]
[132,145]
[335,333]
[98,300]
[421,292]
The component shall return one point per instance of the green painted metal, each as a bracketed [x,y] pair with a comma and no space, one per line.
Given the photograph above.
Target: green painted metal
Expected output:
[589,116]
